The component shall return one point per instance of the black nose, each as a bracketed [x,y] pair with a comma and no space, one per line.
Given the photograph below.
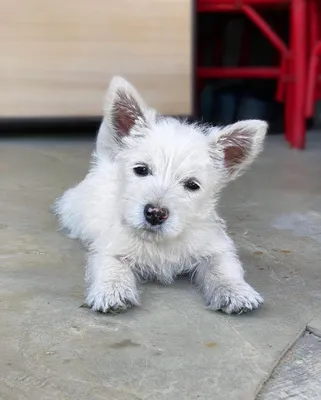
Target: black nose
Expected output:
[155,215]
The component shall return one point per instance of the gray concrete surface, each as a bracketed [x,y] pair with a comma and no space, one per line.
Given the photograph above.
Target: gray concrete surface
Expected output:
[298,376]
[314,326]
[171,348]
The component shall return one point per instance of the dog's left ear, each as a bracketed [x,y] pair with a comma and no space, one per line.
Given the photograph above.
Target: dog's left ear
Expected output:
[124,110]
[239,143]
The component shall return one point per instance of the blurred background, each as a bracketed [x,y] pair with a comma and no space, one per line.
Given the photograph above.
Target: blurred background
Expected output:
[231,40]
[57,57]
[260,59]
[216,60]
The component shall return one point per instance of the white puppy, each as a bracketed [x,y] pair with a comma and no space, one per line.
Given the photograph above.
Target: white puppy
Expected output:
[147,208]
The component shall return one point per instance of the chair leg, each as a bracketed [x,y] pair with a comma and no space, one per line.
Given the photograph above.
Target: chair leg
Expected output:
[312,82]
[299,60]
[315,49]
[313,18]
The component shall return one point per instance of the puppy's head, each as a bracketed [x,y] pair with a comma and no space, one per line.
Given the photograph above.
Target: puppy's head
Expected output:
[170,172]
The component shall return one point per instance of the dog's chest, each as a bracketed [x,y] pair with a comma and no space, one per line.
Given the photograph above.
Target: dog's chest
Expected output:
[162,264]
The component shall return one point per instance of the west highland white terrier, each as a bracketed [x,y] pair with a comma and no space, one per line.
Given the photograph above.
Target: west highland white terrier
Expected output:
[147,208]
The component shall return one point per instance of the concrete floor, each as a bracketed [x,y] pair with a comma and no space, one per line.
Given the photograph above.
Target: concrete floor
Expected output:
[298,376]
[171,348]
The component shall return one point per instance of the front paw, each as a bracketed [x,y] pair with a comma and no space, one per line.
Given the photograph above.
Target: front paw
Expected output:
[233,297]
[111,299]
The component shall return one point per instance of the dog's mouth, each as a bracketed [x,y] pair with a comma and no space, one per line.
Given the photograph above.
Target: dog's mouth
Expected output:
[149,232]
[151,229]
[148,235]
[146,231]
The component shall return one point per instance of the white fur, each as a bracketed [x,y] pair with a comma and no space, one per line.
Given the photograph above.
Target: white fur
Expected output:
[105,210]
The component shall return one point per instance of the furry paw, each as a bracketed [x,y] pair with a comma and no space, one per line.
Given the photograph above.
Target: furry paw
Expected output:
[111,300]
[234,297]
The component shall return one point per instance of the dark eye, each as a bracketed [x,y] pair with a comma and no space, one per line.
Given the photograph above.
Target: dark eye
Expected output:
[191,185]
[141,170]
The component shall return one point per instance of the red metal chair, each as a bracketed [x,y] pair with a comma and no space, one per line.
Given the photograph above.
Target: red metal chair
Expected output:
[314,67]
[290,74]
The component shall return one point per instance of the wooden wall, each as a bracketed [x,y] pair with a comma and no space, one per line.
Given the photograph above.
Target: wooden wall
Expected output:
[57,56]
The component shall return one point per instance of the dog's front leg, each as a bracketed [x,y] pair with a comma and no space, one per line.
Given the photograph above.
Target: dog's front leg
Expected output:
[220,277]
[112,283]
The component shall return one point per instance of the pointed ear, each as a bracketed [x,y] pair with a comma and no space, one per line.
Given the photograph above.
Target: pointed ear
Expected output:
[240,144]
[124,109]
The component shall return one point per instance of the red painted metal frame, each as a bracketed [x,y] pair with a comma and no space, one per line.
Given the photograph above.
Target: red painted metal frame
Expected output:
[263,73]
[292,72]
[312,79]
[296,91]
[313,90]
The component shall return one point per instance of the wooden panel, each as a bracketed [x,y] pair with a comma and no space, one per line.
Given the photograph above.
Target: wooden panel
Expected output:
[57,56]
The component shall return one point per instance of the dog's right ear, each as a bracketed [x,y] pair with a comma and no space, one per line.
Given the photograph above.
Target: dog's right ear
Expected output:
[124,113]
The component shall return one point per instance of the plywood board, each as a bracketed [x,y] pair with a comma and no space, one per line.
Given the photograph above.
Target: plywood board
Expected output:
[57,57]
